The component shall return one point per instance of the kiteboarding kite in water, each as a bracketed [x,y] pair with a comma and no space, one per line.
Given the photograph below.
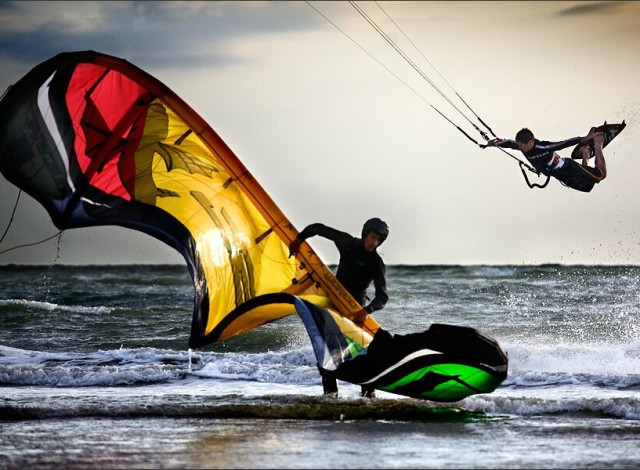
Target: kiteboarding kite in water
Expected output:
[98,141]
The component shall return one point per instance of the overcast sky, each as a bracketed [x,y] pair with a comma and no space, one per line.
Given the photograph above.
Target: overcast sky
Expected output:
[336,137]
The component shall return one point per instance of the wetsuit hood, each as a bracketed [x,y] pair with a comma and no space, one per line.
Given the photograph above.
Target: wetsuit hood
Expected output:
[377,226]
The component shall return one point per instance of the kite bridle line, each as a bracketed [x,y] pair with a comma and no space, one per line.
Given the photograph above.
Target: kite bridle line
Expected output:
[391,43]
[58,234]
[13,213]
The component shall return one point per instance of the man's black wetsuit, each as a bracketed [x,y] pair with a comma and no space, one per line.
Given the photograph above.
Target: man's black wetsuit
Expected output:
[357,267]
[544,159]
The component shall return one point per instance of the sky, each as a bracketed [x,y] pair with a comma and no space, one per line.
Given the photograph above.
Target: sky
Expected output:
[338,127]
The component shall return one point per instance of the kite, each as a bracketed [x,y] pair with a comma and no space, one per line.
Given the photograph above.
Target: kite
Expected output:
[98,141]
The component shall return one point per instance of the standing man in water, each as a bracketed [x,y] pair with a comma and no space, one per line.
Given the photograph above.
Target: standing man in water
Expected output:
[359,265]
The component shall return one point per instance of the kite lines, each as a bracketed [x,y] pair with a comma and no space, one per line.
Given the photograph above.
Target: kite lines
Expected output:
[484,130]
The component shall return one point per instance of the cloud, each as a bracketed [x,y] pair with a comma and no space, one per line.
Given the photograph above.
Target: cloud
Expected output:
[591,8]
[154,34]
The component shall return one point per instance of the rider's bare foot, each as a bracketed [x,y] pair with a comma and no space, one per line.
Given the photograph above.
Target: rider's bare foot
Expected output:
[598,139]
[586,154]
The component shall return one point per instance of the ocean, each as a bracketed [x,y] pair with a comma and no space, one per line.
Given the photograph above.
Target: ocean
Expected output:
[95,373]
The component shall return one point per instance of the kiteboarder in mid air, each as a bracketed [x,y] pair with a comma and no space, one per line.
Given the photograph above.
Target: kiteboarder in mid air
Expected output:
[542,155]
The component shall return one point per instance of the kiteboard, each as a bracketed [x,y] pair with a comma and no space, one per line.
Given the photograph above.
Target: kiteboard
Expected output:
[610,133]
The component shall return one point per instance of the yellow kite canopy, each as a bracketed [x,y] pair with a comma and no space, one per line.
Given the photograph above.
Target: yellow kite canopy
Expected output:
[99,141]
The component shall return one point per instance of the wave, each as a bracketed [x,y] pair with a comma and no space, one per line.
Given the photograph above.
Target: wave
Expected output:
[601,381]
[273,405]
[103,368]
[293,367]
[626,406]
[149,365]
[536,367]
[299,407]
[23,304]
[603,360]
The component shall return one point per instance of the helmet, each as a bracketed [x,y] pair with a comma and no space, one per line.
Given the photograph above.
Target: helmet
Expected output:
[377,226]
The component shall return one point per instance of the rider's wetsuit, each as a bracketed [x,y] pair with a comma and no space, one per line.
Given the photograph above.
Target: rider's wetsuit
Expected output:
[357,267]
[544,159]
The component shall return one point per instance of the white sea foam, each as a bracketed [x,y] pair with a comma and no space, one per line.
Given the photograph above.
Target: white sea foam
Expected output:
[103,368]
[595,358]
[613,403]
[149,365]
[490,271]
[49,306]
[294,367]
